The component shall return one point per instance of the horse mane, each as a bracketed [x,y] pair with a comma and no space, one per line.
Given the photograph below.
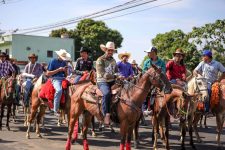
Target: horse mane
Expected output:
[130,85]
[174,86]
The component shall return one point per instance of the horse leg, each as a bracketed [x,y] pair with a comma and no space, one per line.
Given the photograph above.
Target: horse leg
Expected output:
[156,129]
[59,122]
[9,107]
[167,132]
[31,118]
[129,135]
[93,126]
[183,132]
[219,121]
[197,116]
[39,117]
[190,128]
[135,133]
[25,117]
[87,119]
[201,117]
[75,130]
[2,115]
[14,112]
[123,135]
[206,127]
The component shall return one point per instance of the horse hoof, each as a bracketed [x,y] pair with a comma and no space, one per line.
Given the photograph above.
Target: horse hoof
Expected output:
[206,127]
[68,145]
[28,136]
[0,128]
[8,128]
[39,135]
[25,124]
[94,134]
[59,124]
[136,145]
[199,141]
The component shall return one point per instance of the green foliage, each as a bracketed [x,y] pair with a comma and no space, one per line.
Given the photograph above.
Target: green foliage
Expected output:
[91,34]
[210,36]
[142,63]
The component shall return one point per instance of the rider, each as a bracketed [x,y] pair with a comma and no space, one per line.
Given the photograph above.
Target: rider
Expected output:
[124,67]
[209,69]
[106,68]
[84,64]
[153,59]
[175,69]
[135,68]
[32,72]
[57,70]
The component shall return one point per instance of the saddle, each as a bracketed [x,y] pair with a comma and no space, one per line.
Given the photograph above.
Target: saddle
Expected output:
[47,92]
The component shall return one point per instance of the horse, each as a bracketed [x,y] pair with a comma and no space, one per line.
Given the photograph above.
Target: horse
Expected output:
[127,108]
[197,86]
[7,98]
[161,115]
[217,104]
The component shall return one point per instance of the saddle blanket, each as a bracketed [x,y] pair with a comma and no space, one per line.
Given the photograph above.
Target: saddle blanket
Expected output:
[47,92]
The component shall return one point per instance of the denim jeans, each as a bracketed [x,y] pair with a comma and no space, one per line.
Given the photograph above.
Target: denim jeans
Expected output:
[105,88]
[27,92]
[77,78]
[17,98]
[57,83]
[207,103]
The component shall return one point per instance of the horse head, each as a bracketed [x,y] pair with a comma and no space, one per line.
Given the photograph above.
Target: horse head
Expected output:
[199,85]
[9,86]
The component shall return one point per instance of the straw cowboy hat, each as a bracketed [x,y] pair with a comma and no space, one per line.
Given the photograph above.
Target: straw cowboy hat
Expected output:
[120,56]
[179,51]
[62,53]
[33,56]
[133,62]
[109,45]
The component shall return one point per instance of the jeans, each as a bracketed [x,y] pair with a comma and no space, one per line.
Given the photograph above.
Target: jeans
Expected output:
[207,102]
[77,78]
[17,98]
[57,83]
[105,88]
[28,88]
[173,81]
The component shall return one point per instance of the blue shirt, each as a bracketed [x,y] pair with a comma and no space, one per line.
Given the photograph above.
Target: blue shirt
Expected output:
[125,69]
[210,70]
[159,63]
[55,64]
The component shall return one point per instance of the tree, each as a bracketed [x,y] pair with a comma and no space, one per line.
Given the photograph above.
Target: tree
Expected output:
[91,34]
[210,36]
[168,42]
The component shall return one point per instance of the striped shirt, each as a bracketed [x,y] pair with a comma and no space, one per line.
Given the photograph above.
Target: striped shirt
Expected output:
[6,68]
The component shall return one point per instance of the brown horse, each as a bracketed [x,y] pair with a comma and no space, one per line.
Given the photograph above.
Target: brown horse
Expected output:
[161,113]
[7,98]
[128,107]
[218,109]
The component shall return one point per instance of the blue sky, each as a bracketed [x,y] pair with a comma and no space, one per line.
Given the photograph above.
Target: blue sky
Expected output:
[137,29]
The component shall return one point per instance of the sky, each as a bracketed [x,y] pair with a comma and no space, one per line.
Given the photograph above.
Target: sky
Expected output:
[137,29]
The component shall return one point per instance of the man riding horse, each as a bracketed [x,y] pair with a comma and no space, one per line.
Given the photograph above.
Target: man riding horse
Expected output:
[57,70]
[32,72]
[84,64]
[209,69]
[106,68]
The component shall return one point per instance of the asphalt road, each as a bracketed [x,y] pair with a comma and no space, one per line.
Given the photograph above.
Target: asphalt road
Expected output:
[54,137]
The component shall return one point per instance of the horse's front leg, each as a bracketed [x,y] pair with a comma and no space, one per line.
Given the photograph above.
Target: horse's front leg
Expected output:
[93,126]
[156,129]
[183,132]
[123,134]
[219,121]
[206,127]
[129,136]
[9,107]
[87,119]
[190,122]
[136,136]
[2,115]
[197,116]
[167,132]
[39,118]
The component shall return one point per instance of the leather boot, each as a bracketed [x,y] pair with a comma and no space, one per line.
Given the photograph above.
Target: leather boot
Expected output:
[107,119]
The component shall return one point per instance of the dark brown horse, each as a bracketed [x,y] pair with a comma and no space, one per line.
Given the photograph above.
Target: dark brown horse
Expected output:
[7,98]
[128,107]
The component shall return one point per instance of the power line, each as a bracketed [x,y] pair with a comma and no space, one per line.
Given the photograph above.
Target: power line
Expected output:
[87,16]
[133,12]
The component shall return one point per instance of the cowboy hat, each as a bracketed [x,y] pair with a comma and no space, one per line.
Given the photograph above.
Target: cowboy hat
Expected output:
[32,56]
[120,56]
[62,53]
[179,51]
[133,62]
[152,49]
[109,45]
[3,54]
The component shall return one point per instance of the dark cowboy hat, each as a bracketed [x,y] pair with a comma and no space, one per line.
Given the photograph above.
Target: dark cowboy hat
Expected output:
[84,49]
[3,54]
[179,51]
[33,56]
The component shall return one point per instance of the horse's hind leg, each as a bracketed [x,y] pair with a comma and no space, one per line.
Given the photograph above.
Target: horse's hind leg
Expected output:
[205,124]
[219,121]
[14,112]
[135,134]
[183,132]
[31,118]
[167,133]
[39,118]
[9,107]
[190,129]
[200,122]
[93,126]
[2,115]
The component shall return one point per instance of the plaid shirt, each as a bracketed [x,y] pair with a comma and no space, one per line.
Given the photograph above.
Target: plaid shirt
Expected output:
[6,68]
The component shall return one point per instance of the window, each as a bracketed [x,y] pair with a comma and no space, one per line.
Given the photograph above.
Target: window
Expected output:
[50,53]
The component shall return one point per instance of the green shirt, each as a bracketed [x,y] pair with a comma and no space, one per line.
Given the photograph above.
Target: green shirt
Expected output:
[159,63]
